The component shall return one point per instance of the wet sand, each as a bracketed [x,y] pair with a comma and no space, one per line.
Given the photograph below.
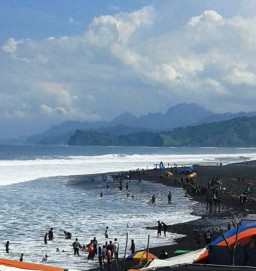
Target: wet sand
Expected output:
[234,178]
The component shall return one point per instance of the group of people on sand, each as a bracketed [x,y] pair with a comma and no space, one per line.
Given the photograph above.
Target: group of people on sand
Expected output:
[211,191]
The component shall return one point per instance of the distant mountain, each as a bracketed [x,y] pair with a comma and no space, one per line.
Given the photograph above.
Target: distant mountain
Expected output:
[177,116]
[238,132]
[59,134]
[126,118]
[181,115]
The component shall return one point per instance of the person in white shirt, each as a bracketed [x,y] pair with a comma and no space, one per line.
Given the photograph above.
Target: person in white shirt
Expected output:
[115,249]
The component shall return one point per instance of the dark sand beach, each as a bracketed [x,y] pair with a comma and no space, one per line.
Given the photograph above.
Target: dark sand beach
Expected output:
[233,179]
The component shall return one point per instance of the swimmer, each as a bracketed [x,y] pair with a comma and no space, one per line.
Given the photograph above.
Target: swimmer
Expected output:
[45,258]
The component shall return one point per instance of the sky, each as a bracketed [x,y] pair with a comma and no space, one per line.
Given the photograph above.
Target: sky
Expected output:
[90,60]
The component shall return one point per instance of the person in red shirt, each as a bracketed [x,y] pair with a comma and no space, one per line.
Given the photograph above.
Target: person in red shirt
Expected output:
[90,252]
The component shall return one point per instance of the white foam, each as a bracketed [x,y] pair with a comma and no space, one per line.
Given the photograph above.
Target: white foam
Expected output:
[14,171]
[39,205]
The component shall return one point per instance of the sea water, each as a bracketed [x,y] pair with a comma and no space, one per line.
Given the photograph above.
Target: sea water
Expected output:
[43,187]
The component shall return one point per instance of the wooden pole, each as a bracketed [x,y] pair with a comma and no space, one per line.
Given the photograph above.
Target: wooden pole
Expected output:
[125,251]
[147,248]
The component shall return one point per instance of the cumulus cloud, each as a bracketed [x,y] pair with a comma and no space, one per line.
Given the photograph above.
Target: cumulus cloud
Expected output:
[208,16]
[122,62]
[120,28]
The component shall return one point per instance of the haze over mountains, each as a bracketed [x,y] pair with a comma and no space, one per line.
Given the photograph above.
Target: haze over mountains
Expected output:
[181,115]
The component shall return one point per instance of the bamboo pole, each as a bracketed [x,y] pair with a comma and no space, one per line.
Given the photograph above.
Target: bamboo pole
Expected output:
[125,251]
[147,248]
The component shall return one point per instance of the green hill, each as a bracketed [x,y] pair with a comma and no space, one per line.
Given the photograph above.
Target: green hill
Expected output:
[238,132]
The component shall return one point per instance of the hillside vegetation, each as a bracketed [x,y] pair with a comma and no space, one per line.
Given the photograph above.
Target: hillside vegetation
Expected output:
[238,132]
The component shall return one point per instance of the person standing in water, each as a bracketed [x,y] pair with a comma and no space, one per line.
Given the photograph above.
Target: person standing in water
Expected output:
[7,246]
[21,257]
[169,197]
[76,247]
[50,234]
[100,255]
[45,238]
[164,226]
[132,246]
[106,232]
[159,228]
[153,200]
[115,249]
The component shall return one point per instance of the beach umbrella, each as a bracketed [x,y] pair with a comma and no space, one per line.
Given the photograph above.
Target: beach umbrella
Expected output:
[192,175]
[141,255]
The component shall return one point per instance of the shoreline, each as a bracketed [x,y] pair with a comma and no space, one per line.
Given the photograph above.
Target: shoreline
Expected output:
[234,178]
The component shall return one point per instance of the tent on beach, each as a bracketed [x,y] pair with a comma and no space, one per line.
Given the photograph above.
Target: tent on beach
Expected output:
[236,246]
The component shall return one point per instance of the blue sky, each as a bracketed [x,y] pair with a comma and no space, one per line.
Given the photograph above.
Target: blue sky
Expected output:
[93,60]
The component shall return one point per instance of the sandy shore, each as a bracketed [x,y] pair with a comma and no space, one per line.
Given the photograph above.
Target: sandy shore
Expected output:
[234,179]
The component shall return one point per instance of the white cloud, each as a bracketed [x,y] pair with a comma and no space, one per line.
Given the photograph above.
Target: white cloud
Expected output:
[10,45]
[126,62]
[241,77]
[208,16]
[120,28]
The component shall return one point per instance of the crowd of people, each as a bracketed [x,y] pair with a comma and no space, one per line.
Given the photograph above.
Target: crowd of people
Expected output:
[105,253]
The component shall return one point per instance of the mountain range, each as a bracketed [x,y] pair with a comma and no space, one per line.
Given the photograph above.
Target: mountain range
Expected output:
[127,124]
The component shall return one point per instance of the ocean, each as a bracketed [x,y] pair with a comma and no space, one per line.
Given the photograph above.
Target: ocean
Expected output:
[44,186]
